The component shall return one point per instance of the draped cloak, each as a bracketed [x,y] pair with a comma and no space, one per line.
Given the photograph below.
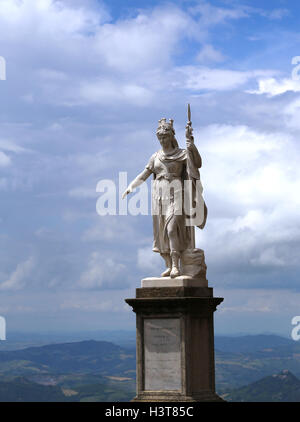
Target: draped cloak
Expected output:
[183,202]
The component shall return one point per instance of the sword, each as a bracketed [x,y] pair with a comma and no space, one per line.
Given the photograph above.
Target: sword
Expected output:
[189,125]
[189,114]
[189,136]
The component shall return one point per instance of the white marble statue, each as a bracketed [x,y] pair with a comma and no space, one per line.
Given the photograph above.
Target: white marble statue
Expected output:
[173,228]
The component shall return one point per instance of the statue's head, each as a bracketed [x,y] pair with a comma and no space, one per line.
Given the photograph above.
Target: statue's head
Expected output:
[166,133]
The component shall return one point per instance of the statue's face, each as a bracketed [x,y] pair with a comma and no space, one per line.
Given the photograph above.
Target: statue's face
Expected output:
[165,138]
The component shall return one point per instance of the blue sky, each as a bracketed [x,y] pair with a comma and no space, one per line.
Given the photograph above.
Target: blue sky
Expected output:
[86,84]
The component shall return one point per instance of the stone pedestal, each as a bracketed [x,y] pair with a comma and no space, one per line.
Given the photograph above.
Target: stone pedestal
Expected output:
[175,340]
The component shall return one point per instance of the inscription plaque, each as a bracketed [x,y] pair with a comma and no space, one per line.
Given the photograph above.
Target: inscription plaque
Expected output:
[162,354]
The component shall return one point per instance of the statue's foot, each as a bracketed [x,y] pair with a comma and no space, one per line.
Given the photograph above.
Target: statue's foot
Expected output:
[166,273]
[175,272]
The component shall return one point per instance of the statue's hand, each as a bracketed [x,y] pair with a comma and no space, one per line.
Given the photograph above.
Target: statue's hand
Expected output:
[189,144]
[189,132]
[127,191]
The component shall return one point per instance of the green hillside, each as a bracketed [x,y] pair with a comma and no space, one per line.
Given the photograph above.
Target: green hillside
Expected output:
[79,371]
[264,355]
[22,390]
[282,387]
[82,357]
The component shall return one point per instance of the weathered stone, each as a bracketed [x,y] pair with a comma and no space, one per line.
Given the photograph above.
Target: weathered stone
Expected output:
[193,263]
[162,353]
[175,344]
[153,292]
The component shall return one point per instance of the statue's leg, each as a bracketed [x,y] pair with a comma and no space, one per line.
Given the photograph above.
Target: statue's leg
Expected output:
[175,264]
[174,246]
[168,262]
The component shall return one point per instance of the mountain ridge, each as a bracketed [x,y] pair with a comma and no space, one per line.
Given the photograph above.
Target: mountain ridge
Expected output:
[280,387]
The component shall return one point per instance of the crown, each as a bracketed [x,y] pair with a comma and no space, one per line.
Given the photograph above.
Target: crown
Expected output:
[164,126]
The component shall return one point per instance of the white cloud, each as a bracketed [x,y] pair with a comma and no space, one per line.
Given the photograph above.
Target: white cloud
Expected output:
[20,276]
[143,41]
[199,78]
[4,159]
[102,272]
[253,178]
[48,17]
[11,146]
[209,54]
[251,164]
[261,301]
[212,15]
[291,114]
[150,261]
[109,228]
[278,14]
[273,87]
[269,257]
[84,60]
[108,91]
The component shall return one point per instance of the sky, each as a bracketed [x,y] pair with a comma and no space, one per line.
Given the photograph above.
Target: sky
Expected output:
[86,83]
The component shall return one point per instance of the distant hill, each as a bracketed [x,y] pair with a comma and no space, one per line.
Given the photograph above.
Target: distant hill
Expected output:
[82,371]
[20,340]
[86,356]
[246,359]
[251,343]
[282,387]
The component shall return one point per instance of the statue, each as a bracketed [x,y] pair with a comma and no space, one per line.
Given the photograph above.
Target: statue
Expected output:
[176,199]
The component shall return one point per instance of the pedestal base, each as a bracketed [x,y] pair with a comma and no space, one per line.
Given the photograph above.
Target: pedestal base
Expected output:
[175,343]
[181,281]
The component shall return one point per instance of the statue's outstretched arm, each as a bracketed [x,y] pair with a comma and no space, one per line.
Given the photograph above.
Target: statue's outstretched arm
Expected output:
[137,181]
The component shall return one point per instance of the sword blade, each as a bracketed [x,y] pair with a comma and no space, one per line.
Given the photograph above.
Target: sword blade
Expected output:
[189,113]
